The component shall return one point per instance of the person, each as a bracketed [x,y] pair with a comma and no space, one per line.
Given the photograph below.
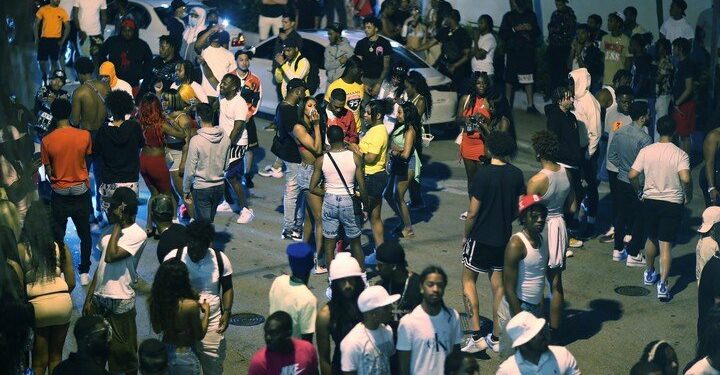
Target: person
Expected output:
[519,31]
[390,26]
[677,26]
[49,279]
[291,64]
[47,93]
[207,160]
[88,99]
[461,363]
[494,192]
[107,74]
[92,335]
[622,152]
[90,18]
[373,149]
[290,293]
[374,52]
[561,31]
[395,277]
[252,92]
[175,313]
[662,354]
[111,292]
[52,27]
[404,164]
[161,70]
[418,93]
[341,313]
[270,17]
[663,82]
[533,355]
[196,25]
[584,53]
[645,368]
[484,47]
[214,30]
[708,282]
[414,32]
[433,21]
[337,53]
[368,347]
[153,357]
[351,83]
[130,54]
[210,273]
[641,68]
[456,47]
[282,353]
[308,14]
[708,353]
[553,184]
[616,47]
[117,146]
[218,61]
[336,114]
[526,261]
[391,90]
[684,105]
[594,22]
[339,168]
[631,26]
[63,152]
[668,185]
[431,332]
[174,21]
[171,235]
[703,27]
[184,70]
[707,245]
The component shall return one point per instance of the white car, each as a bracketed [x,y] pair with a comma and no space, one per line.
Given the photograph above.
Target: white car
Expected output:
[443,94]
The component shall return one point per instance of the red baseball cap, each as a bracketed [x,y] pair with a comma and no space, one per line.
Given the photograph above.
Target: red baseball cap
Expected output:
[527,201]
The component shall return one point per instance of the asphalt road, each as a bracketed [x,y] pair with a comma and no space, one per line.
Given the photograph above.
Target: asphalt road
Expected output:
[606,331]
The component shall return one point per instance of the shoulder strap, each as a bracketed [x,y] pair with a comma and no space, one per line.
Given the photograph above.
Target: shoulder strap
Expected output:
[340,174]
[179,253]
[96,91]
[221,267]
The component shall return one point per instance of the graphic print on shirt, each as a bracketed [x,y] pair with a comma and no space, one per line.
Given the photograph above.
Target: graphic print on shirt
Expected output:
[436,344]
[353,102]
[613,52]
[293,369]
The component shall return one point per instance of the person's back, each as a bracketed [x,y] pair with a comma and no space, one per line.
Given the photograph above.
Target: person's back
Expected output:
[65,150]
[557,191]
[346,163]
[91,105]
[209,150]
[661,163]
[119,149]
[295,298]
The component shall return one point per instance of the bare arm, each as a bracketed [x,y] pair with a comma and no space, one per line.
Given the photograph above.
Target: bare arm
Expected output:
[323,340]
[634,177]
[75,19]
[238,127]
[37,28]
[686,180]
[68,271]
[473,210]
[360,178]
[76,115]
[514,253]
[114,253]
[686,94]
[207,72]
[315,187]
[538,184]
[409,143]
[66,32]
[313,144]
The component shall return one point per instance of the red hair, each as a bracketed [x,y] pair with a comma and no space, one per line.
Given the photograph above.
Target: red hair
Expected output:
[151,116]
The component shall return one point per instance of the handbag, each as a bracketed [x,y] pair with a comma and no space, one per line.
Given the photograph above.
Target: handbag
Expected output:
[357,204]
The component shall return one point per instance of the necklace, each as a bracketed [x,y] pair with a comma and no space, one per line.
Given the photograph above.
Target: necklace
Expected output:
[396,305]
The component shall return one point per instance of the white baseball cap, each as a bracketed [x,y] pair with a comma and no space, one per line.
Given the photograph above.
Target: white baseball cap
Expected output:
[375,296]
[710,217]
[344,265]
[523,327]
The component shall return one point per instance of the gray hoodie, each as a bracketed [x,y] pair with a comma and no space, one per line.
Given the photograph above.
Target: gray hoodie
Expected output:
[333,67]
[207,159]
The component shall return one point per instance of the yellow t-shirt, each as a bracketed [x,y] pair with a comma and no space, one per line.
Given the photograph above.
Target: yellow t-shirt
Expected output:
[375,141]
[354,93]
[52,20]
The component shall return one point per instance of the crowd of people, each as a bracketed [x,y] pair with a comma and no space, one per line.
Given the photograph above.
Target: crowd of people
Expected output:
[621,108]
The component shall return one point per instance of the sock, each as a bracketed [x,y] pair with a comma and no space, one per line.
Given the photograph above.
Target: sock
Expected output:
[476,335]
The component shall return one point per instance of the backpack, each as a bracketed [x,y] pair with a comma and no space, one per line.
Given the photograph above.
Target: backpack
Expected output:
[313,77]
[220,263]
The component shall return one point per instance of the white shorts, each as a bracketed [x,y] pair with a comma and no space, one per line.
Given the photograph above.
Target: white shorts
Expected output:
[557,240]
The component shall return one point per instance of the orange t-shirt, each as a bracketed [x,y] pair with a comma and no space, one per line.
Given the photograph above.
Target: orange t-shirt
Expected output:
[65,150]
[52,20]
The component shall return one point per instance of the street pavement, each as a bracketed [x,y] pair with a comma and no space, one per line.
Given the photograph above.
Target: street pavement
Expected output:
[605,331]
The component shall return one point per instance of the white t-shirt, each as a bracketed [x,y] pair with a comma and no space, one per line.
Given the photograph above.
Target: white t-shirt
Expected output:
[702,367]
[199,92]
[89,15]
[221,62]
[205,277]
[297,300]
[123,86]
[367,351]
[556,361]
[673,29]
[430,339]
[661,162]
[485,42]
[233,110]
[114,279]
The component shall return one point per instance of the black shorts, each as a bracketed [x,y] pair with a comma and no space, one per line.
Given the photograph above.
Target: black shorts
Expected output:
[375,184]
[48,48]
[479,257]
[519,63]
[251,130]
[662,219]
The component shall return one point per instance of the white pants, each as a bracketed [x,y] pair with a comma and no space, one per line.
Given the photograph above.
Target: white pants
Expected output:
[661,109]
[212,349]
[264,25]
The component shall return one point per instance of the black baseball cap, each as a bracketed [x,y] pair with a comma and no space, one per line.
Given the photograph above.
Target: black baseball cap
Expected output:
[221,37]
[391,252]
[291,43]
[335,27]
[177,4]
[295,83]
[123,195]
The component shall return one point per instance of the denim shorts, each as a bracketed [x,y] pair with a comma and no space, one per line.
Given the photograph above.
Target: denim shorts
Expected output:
[304,174]
[375,184]
[336,210]
[182,360]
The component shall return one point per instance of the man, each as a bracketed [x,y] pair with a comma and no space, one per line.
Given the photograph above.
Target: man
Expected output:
[337,53]
[52,26]
[340,116]
[130,54]
[703,27]
[684,104]
[162,67]
[431,332]
[153,357]
[395,277]
[584,53]
[252,92]
[616,47]
[214,29]
[63,153]
[520,31]
[92,334]
[90,17]
[667,186]
[594,22]
[218,60]
[532,354]
[107,74]
[271,12]
[171,235]
[631,26]
[290,65]
[352,85]
[484,48]
[207,160]
[367,348]
[111,294]
[622,152]
[283,354]
[677,26]
[494,191]
[210,274]
[561,32]
[291,293]
[456,46]
[175,23]
[45,96]
[374,52]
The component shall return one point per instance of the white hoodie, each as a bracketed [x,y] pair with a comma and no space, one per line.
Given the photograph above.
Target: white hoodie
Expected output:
[587,111]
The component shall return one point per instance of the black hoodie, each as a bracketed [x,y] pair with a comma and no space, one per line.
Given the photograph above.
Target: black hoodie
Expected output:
[132,58]
[118,150]
[565,126]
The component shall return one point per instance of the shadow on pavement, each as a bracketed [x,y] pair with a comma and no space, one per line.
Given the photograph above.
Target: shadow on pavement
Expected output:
[584,324]
[684,267]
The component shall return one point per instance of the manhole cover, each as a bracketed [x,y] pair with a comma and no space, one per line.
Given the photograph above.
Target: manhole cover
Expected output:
[632,291]
[246,319]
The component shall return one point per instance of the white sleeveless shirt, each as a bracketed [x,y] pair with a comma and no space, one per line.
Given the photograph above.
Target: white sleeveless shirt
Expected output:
[346,163]
[531,271]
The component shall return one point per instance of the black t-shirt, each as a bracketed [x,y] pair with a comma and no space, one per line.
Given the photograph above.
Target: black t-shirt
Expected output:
[307,10]
[272,11]
[175,237]
[409,300]
[709,288]
[118,148]
[685,69]
[286,117]
[77,363]
[453,43]
[498,188]
[175,29]
[372,54]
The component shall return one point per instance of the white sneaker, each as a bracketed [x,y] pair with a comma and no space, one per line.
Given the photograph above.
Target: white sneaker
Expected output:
[224,207]
[474,346]
[269,171]
[492,344]
[463,216]
[575,243]
[319,270]
[84,279]
[569,253]
[246,215]
[619,256]
[635,261]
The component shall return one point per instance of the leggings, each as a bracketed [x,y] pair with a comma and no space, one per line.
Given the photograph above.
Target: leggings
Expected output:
[154,171]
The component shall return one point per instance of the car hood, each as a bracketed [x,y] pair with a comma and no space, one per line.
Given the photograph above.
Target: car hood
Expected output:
[432,76]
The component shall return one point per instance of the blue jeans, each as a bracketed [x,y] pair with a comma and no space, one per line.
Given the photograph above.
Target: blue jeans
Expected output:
[206,202]
[336,210]
[293,206]
[182,361]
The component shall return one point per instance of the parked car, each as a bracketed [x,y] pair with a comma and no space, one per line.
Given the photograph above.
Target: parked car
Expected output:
[443,93]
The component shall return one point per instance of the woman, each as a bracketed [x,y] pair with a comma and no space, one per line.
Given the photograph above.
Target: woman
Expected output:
[11,275]
[175,312]
[176,146]
[404,163]
[184,72]
[49,279]
[153,166]
[418,93]
[392,89]
[309,140]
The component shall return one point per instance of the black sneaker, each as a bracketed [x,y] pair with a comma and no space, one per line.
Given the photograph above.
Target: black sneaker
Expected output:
[296,236]
[286,235]
[532,110]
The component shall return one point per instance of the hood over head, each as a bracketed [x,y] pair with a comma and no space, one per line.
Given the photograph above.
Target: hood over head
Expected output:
[213,135]
[194,28]
[581,78]
[108,69]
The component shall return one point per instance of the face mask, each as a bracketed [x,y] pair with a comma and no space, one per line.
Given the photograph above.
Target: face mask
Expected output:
[193,21]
